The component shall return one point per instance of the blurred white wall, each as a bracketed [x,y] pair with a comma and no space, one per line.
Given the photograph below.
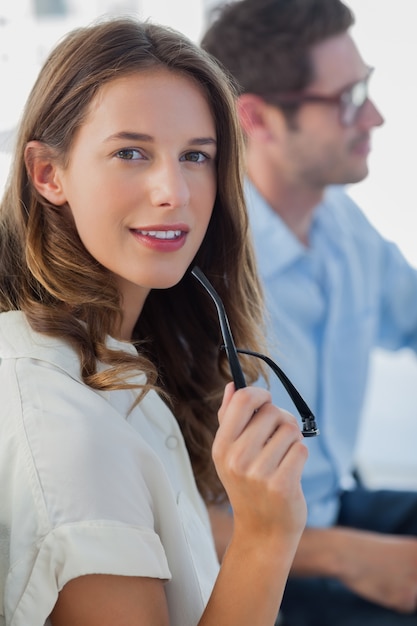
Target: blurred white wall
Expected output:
[385,33]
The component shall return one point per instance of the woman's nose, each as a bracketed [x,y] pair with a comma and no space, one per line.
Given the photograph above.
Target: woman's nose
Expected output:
[168,186]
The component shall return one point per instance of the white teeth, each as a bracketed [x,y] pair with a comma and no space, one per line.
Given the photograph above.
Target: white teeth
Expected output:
[161,234]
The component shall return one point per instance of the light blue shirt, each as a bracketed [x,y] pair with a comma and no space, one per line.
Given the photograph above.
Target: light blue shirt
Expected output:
[329,305]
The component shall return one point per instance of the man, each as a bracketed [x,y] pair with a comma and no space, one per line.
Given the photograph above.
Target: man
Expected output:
[335,289]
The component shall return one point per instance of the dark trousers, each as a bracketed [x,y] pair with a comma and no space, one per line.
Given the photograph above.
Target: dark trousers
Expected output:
[325,601]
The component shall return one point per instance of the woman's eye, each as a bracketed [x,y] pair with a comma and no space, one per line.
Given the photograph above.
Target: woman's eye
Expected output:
[194,157]
[129,154]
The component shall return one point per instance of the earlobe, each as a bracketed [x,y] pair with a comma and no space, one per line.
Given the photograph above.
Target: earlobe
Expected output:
[43,172]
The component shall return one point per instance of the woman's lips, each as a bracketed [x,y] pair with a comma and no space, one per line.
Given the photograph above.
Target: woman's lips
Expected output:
[161,234]
[161,239]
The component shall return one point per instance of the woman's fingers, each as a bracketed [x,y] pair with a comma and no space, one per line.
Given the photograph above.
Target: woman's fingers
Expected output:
[238,408]
[259,455]
[270,444]
[248,421]
[273,453]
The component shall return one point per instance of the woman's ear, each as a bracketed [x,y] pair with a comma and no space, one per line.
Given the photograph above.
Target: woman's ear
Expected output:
[44,172]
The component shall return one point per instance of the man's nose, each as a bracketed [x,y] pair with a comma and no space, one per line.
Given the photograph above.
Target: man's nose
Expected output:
[370,117]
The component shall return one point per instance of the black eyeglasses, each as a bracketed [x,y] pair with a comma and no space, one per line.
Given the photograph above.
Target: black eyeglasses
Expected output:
[309,423]
[350,99]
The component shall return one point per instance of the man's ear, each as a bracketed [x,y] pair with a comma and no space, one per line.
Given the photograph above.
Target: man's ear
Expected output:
[44,172]
[258,118]
[250,109]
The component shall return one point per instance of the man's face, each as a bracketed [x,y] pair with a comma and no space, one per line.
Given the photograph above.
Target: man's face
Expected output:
[317,147]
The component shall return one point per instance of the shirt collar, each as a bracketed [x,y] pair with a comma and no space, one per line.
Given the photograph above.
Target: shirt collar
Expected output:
[271,234]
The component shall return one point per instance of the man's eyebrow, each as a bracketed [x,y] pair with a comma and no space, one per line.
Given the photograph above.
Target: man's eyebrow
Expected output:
[132,136]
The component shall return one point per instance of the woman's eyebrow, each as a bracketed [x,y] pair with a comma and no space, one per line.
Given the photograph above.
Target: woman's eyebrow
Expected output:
[132,136]
[203,141]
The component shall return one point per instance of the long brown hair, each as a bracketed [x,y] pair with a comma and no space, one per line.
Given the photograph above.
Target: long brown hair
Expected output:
[46,272]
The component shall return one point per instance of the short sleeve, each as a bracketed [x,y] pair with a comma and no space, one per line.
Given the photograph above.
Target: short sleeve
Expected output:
[74,550]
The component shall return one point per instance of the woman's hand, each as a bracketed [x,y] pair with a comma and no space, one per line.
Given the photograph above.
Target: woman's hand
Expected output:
[259,455]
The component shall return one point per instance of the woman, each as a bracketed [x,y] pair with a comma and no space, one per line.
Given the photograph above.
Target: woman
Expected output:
[127,174]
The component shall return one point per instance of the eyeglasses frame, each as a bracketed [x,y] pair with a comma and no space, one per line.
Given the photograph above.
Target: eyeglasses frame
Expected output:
[340,99]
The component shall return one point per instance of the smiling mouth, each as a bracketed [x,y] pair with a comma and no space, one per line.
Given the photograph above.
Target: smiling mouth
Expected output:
[160,234]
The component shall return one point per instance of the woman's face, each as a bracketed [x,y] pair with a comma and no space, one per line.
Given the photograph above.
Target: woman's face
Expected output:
[141,179]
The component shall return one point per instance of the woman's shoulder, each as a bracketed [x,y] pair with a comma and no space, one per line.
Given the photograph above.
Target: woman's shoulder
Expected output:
[62,431]
[18,341]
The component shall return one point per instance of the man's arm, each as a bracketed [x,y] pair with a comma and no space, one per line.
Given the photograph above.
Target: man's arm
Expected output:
[380,568]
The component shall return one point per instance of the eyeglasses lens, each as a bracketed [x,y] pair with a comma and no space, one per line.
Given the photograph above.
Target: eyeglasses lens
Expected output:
[353,100]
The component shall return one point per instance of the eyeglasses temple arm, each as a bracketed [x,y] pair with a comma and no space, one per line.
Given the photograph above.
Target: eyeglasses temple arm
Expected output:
[309,423]
[230,347]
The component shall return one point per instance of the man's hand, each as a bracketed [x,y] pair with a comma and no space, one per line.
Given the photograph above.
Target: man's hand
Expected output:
[380,568]
[383,569]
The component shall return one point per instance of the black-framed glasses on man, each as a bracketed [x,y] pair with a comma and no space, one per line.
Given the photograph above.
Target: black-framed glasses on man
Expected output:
[309,422]
[350,99]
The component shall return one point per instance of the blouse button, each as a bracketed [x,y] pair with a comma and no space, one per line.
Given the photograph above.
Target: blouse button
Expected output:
[171,442]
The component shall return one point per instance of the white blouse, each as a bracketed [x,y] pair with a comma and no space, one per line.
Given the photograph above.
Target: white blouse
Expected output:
[86,486]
